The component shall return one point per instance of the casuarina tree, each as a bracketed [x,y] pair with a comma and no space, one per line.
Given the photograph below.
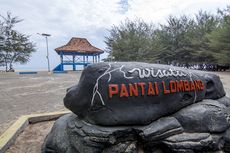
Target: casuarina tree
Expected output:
[184,40]
[15,47]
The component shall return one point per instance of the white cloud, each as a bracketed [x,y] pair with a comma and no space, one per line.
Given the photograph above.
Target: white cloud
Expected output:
[64,19]
[158,10]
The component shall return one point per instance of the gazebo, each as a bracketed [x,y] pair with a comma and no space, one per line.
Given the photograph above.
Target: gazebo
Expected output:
[78,51]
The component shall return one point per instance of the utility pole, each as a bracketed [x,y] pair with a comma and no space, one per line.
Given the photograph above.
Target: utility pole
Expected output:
[47,48]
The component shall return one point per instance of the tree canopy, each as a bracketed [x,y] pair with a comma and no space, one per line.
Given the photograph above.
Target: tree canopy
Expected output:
[203,38]
[15,47]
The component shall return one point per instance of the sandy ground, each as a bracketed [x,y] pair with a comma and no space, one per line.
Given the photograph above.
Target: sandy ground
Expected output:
[43,92]
[30,141]
[225,78]
[27,94]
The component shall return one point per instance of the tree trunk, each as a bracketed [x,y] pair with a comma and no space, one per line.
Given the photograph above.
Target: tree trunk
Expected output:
[11,67]
[6,66]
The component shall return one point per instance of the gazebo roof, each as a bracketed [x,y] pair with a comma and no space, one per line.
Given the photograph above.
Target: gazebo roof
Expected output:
[80,45]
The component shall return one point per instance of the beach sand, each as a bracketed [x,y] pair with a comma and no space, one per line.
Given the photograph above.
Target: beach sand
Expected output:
[31,139]
[43,92]
[29,94]
[26,94]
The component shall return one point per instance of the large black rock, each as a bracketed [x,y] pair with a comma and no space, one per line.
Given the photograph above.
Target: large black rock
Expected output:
[143,108]
[129,93]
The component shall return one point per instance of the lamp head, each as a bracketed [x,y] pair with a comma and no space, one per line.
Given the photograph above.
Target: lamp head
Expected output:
[45,34]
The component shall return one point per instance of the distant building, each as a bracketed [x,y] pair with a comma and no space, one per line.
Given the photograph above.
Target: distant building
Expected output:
[78,51]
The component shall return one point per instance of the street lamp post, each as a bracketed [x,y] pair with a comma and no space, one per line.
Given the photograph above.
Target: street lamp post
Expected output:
[47,48]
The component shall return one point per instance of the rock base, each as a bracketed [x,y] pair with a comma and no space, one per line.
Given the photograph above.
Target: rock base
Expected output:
[200,127]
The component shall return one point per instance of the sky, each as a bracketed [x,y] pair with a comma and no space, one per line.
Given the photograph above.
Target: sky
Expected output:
[90,19]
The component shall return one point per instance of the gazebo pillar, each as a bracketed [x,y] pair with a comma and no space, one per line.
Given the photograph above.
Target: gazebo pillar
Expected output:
[61,58]
[74,64]
[87,59]
[99,58]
